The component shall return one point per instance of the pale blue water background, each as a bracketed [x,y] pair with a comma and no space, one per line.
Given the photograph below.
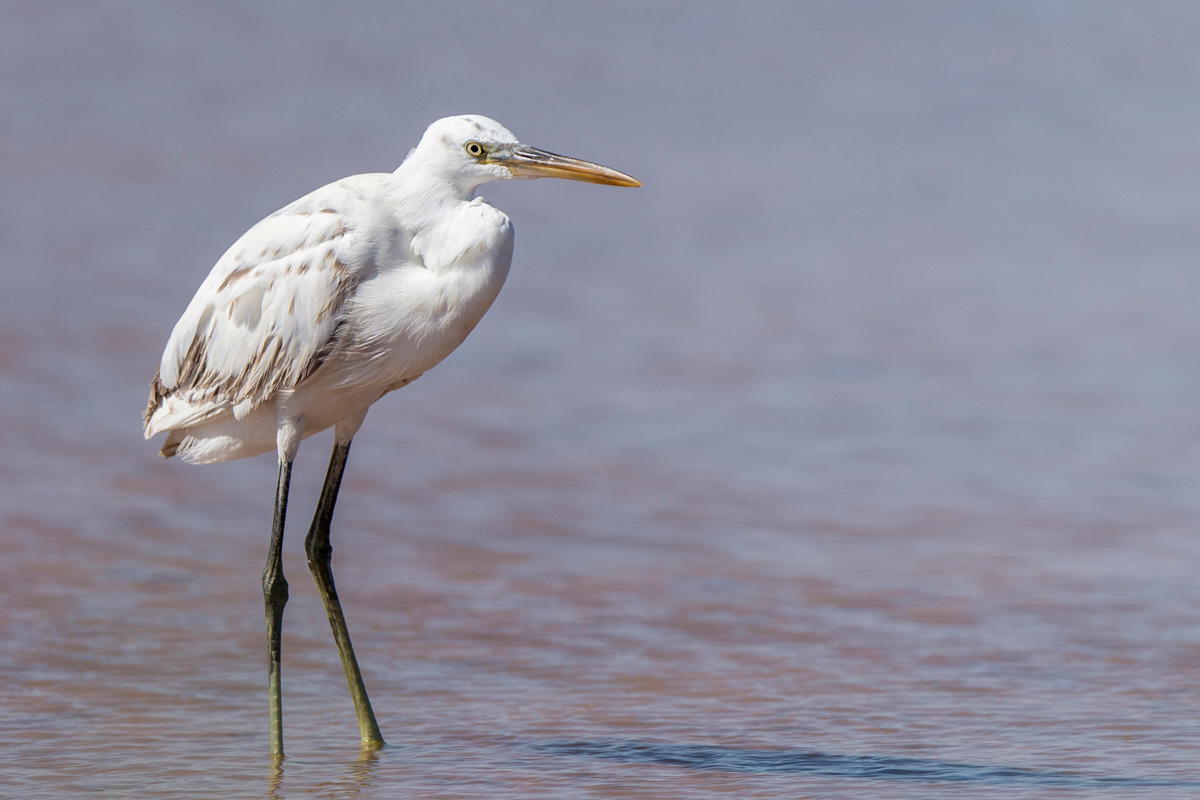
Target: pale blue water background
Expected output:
[855,455]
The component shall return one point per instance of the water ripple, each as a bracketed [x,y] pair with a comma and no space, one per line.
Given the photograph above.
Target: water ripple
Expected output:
[838,765]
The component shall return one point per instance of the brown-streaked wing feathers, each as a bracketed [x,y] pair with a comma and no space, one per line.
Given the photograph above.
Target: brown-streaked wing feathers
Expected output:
[265,317]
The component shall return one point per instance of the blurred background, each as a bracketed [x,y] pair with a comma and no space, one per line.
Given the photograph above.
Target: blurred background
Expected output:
[869,425]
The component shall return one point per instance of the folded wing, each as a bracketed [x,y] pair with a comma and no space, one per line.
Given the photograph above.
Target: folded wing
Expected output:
[268,313]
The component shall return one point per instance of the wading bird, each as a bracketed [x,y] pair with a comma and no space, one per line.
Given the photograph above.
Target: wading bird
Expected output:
[327,305]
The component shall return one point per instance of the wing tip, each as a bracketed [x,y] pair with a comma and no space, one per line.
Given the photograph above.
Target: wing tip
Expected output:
[171,445]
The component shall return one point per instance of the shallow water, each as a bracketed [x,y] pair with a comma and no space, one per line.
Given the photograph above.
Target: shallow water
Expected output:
[862,462]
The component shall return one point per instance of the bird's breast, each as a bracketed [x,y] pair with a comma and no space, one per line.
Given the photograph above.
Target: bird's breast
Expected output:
[412,314]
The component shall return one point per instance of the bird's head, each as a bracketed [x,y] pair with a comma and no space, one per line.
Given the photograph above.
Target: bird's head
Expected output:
[472,150]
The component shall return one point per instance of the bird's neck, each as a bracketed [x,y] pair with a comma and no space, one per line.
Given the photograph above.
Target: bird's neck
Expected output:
[423,195]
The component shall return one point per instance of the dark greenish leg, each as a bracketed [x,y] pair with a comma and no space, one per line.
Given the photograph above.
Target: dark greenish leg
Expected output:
[320,552]
[275,596]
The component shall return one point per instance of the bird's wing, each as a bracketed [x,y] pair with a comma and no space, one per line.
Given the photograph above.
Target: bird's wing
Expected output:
[266,316]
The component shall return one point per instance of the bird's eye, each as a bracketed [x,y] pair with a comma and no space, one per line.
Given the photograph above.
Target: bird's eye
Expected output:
[475,149]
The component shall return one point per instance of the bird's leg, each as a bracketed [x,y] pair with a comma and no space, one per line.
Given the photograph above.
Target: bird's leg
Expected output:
[320,552]
[275,595]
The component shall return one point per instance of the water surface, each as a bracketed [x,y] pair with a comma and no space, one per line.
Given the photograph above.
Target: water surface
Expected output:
[855,455]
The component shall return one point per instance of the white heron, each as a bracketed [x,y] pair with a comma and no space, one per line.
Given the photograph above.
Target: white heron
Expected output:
[327,305]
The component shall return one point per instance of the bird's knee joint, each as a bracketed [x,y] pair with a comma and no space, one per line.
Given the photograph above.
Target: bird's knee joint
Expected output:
[275,588]
[319,553]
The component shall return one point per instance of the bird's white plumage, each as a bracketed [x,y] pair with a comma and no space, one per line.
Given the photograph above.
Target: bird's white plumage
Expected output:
[325,306]
[334,300]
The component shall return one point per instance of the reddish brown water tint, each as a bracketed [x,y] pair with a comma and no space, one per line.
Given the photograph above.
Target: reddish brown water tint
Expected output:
[855,455]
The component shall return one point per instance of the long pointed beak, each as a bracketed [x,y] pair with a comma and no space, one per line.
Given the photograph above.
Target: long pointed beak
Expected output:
[530,162]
